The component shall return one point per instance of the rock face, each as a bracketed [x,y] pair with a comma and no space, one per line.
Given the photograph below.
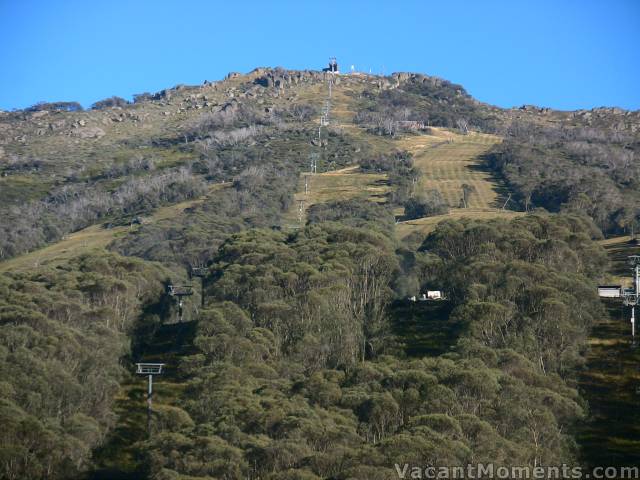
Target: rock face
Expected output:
[280,78]
[89,132]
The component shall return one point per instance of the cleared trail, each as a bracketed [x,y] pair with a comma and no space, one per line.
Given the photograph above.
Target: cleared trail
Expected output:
[610,381]
[447,161]
[118,458]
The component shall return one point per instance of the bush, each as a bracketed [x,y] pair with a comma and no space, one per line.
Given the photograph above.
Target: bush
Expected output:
[426,205]
[109,103]
[56,106]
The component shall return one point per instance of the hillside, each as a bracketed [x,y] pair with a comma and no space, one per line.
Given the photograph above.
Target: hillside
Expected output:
[65,170]
[315,204]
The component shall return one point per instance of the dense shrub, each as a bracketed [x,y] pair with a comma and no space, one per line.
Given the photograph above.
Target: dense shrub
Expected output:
[398,165]
[109,103]
[427,204]
[56,106]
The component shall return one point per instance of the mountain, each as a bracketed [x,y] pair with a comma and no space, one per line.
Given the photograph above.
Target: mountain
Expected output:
[313,204]
[65,170]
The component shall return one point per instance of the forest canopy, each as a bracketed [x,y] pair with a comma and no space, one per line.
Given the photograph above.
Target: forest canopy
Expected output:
[297,371]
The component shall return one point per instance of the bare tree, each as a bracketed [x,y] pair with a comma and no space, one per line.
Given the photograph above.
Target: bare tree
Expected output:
[463,126]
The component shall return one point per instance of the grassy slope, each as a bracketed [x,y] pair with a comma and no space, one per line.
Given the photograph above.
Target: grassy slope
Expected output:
[340,184]
[447,161]
[345,183]
[92,238]
[611,380]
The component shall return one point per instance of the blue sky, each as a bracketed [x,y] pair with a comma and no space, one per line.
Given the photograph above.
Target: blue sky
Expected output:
[561,54]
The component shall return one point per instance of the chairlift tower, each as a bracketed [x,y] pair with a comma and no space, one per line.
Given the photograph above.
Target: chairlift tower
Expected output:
[313,168]
[179,292]
[149,369]
[630,296]
[301,211]
[322,124]
[200,272]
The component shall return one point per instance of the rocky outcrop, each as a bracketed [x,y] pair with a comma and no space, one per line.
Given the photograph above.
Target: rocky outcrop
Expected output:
[88,132]
[279,78]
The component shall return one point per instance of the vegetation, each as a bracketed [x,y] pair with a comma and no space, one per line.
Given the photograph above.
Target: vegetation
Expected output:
[426,101]
[110,103]
[401,172]
[305,359]
[355,213]
[586,169]
[297,372]
[610,435]
[56,106]
[62,335]
[427,204]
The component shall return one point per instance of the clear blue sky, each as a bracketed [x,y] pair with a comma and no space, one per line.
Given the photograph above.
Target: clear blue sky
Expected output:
[562,54]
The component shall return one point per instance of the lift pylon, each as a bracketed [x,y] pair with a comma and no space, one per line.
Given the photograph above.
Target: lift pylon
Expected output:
[179,292]
[149,369]
[200,272]
[630,296]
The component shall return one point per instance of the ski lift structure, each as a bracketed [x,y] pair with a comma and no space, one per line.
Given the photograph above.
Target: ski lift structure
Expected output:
[429,296]
[179,292]
[201,273]
[150,370]
[630,296]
